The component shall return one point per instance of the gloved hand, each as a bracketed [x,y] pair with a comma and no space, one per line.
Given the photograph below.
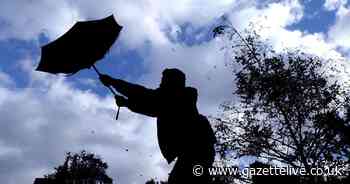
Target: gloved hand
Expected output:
[121,101]
[106,79]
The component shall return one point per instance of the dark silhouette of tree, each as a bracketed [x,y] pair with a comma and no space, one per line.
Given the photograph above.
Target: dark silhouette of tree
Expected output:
[289,112]
[152,181]
[81,167]
[271,179]
[224,179]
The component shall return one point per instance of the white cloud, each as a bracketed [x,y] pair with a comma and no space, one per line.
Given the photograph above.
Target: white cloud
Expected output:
[27,19]
[142,20]
[205,69]
[271,24]
[5,80]
[338,33]
[272,15]
[146,20]
[331,5]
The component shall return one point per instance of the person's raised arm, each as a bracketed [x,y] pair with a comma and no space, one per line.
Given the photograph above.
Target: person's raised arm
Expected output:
[125,88]
[139,99]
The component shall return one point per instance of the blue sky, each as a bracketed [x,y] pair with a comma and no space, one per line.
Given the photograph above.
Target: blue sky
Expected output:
[39,112]
[316,18]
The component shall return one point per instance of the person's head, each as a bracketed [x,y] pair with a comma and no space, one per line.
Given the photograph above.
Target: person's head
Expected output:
[191,95]
[173,79]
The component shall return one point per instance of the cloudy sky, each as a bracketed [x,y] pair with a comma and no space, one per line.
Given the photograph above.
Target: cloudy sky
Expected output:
[43,116]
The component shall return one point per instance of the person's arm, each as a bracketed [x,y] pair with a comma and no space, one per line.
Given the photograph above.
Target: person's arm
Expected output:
[139,99]
[125,88]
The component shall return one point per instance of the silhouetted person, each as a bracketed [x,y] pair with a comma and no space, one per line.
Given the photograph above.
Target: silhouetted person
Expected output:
[183,133]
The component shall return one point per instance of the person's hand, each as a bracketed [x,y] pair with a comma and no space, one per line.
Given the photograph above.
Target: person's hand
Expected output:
[120,101]
[106,79]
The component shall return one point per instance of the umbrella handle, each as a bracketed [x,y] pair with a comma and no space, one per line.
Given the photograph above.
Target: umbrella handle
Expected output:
[110,89]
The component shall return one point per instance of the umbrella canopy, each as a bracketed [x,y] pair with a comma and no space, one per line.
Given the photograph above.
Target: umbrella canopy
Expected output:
[84,44]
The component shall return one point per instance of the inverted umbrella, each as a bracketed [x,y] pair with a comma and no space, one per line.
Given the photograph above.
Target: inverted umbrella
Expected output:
[81,47]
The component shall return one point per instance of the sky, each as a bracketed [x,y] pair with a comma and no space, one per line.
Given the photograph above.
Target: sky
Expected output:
[42,116]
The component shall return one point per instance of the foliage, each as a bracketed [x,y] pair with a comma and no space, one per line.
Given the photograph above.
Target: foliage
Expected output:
[290,111]
[152,181]
[81,166]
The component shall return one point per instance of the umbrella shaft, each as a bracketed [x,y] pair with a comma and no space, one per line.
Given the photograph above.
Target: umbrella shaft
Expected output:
[110,89]
[99,73]
[94,67]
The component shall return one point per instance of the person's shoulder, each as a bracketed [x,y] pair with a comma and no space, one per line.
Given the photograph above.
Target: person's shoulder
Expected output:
[203,118]
[191,91]
[190,88]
